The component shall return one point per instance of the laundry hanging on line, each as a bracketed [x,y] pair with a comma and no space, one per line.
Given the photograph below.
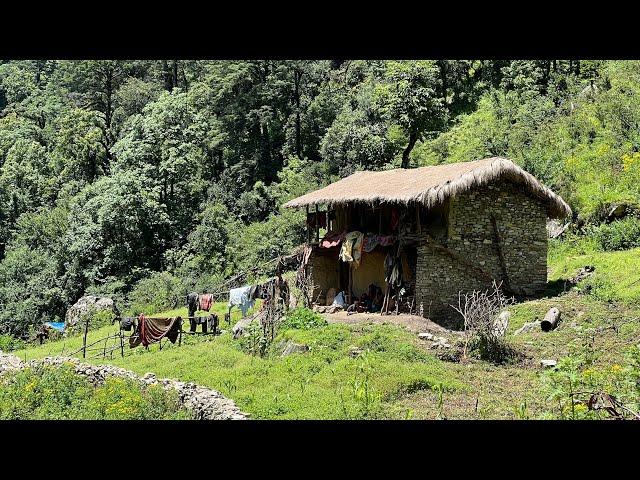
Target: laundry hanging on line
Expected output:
[332,239]
[241,298]
[192,303]
[351,250]
[204,301]
[152,330]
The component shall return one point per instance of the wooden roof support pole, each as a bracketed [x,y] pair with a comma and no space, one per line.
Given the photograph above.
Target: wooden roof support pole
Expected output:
[317,226]
[307,221]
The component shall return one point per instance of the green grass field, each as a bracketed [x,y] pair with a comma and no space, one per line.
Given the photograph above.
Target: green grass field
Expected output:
[398,377]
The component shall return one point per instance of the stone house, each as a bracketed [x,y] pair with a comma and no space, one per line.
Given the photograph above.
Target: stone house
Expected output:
[450,228]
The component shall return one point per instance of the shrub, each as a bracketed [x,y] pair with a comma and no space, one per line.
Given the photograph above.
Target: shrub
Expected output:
[48,392]
[580,387]
[483,332]
[9,343]
[160,291]
[619,235]
[303,318]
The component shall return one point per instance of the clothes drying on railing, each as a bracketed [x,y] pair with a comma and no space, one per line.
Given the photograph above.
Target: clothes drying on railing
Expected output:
[152,330]
[59,326]
[192,303]
[204,301]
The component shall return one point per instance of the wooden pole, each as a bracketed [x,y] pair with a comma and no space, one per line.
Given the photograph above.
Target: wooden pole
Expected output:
[121,343]
[84,338]
[317,226]
[307,221]
[418,218]
[349,285]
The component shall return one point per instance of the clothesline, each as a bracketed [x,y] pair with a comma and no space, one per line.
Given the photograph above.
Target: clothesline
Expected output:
[223,288]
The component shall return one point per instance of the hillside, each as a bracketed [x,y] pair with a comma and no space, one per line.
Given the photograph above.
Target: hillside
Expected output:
[141,180]
[398,376]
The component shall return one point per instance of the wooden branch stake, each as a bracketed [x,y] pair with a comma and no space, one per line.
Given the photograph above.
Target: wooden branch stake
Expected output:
[84,338]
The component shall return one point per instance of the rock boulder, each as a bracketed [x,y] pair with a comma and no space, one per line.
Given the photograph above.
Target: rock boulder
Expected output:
[86,304]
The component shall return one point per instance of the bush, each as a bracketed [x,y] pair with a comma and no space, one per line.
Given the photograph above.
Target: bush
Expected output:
[161,291]
[619,235]
[303,319]
[48,392]
[9,343]
[482,330]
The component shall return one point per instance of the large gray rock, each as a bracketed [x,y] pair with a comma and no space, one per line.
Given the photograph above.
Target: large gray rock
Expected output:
[528,327]
[292,347]
[87,304]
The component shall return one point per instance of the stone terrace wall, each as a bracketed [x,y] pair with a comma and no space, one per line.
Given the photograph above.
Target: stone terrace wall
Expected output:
[203,403]
[521,222]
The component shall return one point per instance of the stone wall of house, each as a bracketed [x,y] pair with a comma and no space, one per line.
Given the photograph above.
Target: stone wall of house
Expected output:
[521,225]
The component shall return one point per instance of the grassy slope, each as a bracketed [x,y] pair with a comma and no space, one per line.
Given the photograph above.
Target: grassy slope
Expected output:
[328,383]
[319,384]
[612,305]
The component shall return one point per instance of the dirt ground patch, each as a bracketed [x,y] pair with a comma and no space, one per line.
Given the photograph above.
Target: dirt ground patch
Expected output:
[413,323]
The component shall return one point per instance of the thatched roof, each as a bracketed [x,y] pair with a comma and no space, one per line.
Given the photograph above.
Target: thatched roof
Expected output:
[430,185]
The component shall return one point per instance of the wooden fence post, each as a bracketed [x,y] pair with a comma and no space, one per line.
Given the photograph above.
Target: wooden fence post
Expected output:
[121,343]
[84,339]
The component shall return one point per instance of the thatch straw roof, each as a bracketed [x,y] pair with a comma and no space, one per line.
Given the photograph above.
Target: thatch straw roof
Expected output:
[430,185]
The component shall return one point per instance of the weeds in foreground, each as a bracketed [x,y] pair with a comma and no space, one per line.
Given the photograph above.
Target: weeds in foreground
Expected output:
[579,388]
[58,393]
[362,401]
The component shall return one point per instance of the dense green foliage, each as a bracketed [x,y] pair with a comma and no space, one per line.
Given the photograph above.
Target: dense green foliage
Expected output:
[144,179]
[621,235]
[58,393]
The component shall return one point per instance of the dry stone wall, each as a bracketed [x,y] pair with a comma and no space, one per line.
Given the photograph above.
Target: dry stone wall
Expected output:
[203,403]
[521,224]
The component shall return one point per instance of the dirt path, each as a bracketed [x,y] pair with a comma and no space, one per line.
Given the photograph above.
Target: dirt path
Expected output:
[413,323]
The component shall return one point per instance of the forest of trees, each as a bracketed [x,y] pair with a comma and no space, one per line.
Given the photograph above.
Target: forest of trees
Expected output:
[142,179]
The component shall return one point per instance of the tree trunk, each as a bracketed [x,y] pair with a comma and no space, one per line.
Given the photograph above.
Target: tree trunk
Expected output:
[297,77]
[443,78]
[175,73]
[167,76]
[413,138]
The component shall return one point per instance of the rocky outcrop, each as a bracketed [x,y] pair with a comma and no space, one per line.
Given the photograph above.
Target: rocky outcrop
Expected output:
[203,403]
[292,347]
[86,304]
[528,327]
